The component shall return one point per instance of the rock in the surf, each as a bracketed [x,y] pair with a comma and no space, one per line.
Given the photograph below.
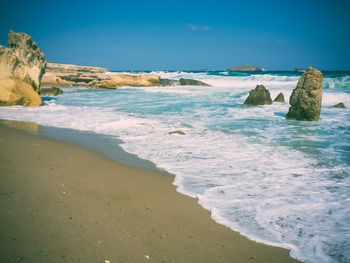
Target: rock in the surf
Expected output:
[306,98]
[50,91]
[258,96]
[169,82]
[192,82]
[339,105]
[279,98]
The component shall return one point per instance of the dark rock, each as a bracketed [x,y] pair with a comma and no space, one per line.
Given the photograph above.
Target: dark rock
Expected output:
[299,69]
[177,132]
[169,82]
[339,105]
[279,98]
[258,96]
[306,98]
[50,91]
[193,82]
[245,68]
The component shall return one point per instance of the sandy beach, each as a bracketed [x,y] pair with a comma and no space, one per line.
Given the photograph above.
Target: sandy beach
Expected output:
[61,203]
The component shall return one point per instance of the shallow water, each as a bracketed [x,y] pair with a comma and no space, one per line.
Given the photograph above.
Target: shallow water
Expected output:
[276,181]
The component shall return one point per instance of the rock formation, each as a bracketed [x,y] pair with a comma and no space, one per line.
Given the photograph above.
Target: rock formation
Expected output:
[22,66]
[279,98]
[182,82]
[306,98]
[50,91]
[74,68]
[339,105]
[192,82]
[169,82]
[245,68]
[71,75]
[258,96]
[177,132]
[299,69]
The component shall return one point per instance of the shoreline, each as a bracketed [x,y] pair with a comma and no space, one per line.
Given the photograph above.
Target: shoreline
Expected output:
[124,214]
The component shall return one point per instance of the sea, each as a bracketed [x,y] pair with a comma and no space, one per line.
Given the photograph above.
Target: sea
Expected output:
[277,181]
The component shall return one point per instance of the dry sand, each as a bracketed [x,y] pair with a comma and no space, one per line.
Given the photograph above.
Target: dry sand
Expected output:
[60,203]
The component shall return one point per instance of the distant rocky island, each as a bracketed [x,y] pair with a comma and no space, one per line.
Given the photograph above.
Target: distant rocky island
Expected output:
[245,68]
[299,69]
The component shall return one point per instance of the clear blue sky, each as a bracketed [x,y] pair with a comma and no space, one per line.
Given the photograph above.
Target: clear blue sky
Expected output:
[143,35]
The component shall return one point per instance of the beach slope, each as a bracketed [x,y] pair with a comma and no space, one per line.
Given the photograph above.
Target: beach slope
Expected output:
[60,203]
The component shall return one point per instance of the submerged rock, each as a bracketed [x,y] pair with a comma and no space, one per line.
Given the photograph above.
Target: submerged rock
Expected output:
[177,132]
[279,98]
[22,66]
[306,98]
[245,68]
[169,82]
[258,96]
[339,105]
[50,91]
[193,82]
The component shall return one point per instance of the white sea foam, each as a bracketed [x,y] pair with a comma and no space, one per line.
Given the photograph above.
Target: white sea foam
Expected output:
[276,181]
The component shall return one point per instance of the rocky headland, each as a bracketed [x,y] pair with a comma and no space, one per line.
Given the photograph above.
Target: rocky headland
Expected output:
[245,68]
[22,66]
[72,75]
[73,68]
[306,98]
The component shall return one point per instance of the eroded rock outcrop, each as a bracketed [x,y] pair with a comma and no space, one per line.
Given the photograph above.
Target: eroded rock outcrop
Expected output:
[76,77]
[169,82]
[182,82]
[192,82]
[60,67]
[258,96]
[306,98]
[22,66]
[245,68]
[279,98]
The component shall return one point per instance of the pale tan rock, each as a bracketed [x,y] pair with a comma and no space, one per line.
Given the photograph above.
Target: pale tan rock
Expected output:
[21,65]
[60,67]
[98,80]
[23,59]
[14,91]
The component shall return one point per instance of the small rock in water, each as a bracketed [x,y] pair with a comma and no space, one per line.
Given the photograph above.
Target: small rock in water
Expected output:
[339,105]
[177,132]
[147,256]
[107,261]
[279,98]
[258,96]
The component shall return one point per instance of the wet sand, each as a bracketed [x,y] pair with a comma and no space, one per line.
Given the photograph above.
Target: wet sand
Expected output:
[61,203]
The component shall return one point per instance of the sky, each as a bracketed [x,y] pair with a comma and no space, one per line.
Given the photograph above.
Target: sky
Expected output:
[185,35]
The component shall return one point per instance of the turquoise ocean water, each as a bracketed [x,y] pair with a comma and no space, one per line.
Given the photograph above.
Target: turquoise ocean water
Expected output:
[281,182]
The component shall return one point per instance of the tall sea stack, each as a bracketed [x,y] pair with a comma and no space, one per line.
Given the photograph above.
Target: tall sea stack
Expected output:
[22,66]
[306,98]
